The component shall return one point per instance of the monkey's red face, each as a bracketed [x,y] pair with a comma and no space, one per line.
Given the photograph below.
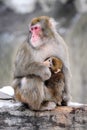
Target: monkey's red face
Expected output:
[35,30]
[40,31]
[36,35]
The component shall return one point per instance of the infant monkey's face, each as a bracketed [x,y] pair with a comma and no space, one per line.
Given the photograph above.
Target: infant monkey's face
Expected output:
[54,63]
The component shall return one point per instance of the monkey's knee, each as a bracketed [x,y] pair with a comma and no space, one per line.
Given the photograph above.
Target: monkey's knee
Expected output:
[65,99]
[16,83]
[30,91]
[19,93]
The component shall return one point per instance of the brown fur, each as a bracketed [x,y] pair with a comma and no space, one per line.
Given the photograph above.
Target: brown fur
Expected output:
[39,19]
[57,81]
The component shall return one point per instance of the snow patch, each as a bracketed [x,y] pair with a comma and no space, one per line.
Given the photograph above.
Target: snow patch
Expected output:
[8,104]
[75,104]
[7,90]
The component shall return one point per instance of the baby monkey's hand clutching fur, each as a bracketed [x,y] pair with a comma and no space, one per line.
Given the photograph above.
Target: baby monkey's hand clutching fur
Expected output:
[56,83]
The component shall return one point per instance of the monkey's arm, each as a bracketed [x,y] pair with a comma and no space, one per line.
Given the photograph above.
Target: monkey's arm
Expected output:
[25,65]
[39,69]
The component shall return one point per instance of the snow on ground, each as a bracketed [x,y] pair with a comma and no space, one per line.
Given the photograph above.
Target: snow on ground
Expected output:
[7,90]
[10,91]
[9,103]
[75,104]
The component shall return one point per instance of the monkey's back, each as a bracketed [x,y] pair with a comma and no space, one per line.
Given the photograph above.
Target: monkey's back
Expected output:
[55,79]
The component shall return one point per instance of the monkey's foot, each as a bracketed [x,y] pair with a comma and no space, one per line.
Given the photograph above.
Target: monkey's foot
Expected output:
[48,106]
[59,103]
[64,103]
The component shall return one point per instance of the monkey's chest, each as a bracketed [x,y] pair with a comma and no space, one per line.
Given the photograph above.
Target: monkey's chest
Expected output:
[46,52]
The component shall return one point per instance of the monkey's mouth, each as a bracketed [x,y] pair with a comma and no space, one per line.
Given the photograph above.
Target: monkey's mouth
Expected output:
[36,41]
[35,38]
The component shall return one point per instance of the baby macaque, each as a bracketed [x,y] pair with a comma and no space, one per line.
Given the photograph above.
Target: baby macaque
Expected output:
[56,82]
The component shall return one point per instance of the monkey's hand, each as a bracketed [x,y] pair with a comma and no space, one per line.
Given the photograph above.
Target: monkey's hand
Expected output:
[35,68]
[45,74]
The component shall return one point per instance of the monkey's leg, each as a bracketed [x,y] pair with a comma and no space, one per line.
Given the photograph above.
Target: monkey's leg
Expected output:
[55,88]
[59,88]
[66,92]
[30,92]
[48,102]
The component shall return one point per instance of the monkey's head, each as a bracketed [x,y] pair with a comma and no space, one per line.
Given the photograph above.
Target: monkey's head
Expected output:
[40,30]
[57,65]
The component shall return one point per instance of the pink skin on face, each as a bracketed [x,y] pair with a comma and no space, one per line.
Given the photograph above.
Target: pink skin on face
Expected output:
[35,33]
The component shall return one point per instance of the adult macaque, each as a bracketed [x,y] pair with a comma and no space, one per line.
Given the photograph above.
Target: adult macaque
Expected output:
[43,42]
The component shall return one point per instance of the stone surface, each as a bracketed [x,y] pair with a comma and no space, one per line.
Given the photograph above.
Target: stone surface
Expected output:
[17,117]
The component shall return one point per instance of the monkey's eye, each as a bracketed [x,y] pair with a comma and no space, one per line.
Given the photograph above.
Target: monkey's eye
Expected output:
[49,60]
[53,61]
[35,28]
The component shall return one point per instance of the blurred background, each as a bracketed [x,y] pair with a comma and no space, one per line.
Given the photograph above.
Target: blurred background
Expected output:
[71,16]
